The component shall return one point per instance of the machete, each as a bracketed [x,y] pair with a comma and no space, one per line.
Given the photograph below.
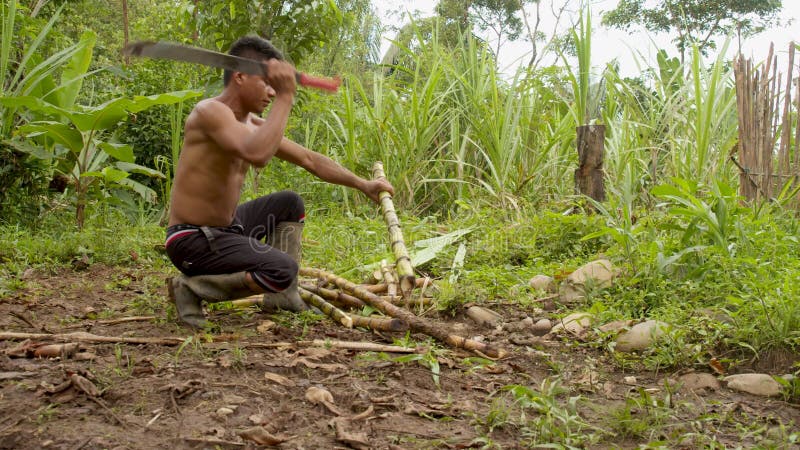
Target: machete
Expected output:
[185,53]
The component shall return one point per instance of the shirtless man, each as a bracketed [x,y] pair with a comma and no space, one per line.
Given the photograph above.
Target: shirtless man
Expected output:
[216,244]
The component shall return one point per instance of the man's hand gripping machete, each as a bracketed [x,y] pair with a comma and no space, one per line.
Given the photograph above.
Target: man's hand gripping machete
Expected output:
[185,53]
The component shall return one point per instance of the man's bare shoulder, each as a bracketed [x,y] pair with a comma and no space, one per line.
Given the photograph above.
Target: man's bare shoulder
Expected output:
[210,111]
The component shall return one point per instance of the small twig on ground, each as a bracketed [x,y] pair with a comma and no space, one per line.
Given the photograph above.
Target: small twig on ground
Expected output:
[175,403]
[28,322]
[17,422]
[153,420]
[125,320]
[82,336]
[82,443]
[345,345]
[415,433]
[212,441]
[108,410]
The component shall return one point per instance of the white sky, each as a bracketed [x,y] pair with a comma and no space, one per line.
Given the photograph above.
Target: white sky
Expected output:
[607,44]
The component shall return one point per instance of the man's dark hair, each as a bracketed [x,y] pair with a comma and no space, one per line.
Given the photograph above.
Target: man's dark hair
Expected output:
[252,47]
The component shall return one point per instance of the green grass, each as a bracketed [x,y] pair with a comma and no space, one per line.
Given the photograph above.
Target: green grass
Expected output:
[746,271]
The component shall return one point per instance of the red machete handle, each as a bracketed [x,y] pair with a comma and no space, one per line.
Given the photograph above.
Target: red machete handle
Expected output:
[326,84]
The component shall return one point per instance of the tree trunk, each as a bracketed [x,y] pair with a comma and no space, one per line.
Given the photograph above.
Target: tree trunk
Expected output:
[589,175]
[125,27]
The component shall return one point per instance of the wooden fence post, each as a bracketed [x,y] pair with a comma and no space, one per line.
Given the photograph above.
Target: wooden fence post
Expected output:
[589,175]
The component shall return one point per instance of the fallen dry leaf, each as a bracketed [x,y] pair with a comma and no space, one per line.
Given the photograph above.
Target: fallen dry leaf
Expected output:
[261,436]
[280,379]
[265,326]
[717,366]
[322,396]
[84,385]
[23,349]
[316,365]
[314,352]
[346,434]
[257,419]
[363,415]
[318,395]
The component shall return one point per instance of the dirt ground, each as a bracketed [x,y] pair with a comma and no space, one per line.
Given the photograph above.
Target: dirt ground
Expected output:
[203,394]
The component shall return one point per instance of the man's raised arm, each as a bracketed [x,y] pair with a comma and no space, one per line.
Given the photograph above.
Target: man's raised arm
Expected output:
[329,170]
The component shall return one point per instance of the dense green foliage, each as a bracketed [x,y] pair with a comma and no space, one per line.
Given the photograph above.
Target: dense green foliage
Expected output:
[696,21]
[466,148]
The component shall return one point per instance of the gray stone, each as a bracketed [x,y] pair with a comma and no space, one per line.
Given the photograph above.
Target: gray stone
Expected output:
[596,274]
[640,336]
[574,323]
[543,283]
[699,381]
[542,327]
[616,325]
[224,411]
[484,316]
[754,383]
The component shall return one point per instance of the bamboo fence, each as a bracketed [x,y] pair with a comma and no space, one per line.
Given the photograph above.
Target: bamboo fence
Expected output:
[768,153]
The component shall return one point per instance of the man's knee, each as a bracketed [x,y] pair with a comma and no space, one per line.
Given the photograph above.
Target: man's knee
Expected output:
[293,203]
[279,274]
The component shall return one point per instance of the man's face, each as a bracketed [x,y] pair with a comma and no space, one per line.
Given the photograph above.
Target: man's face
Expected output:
[258,92]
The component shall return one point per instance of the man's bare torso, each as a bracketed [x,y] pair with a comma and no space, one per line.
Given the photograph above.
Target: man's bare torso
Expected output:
[208,180]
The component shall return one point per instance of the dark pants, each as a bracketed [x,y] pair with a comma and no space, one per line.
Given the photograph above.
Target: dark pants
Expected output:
[198,250]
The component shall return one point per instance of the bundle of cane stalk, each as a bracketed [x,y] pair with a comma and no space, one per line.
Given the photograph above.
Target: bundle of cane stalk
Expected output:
[332,294]
[344,307]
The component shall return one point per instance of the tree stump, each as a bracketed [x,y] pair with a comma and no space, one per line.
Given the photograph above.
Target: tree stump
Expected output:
[589,175]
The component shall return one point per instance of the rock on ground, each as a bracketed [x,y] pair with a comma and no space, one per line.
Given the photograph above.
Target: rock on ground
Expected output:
[542,327]
[699,381]
[754,383]
[543,283]
[641,336]
[574,323]
[596,274]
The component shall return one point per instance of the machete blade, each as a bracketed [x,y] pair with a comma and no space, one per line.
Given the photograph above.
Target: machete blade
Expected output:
[184,53]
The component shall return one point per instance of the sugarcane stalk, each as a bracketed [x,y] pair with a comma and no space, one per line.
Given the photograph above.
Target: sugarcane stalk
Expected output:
[378,323]
[421,301]
[403,261]
[388,278]
[373,323]
[329,310]
[248,301]
[344,300]
[334,296]
[383,287]
[415,323]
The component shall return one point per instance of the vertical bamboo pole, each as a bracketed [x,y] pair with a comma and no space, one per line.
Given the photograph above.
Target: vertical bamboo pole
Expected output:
[786,125]
[796,170]
[403,263]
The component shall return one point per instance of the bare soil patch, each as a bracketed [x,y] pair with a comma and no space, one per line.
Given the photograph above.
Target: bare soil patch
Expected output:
[212,390]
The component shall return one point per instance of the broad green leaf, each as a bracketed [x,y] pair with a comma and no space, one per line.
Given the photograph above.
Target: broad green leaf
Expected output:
[101,117]
[136,168]
[33,104]
[140,103]
[57,131]
[430,248]
[665,190]
[33,150]
[112,175]
[120,152]
[72,76]
[145,192]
